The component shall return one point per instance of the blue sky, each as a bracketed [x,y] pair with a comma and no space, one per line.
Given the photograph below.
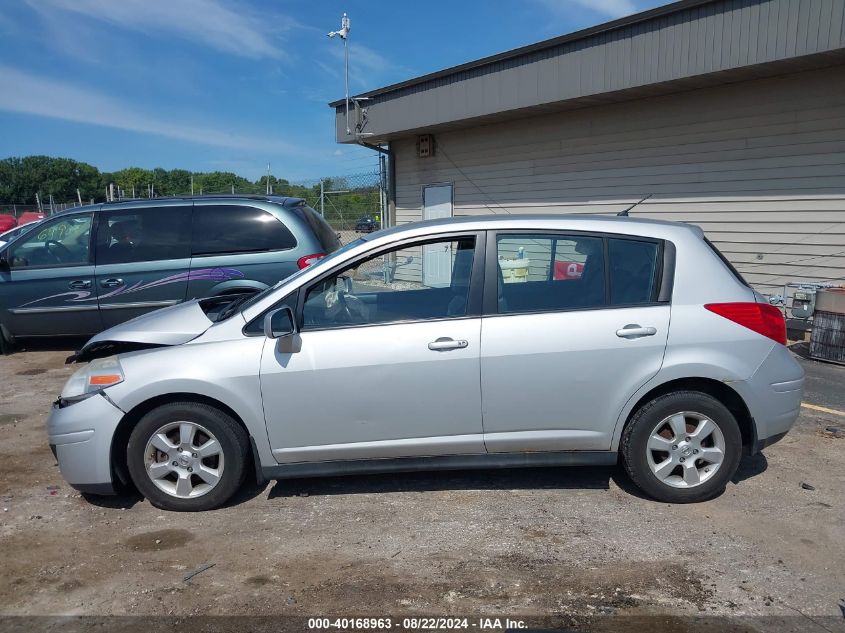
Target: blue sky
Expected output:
[231,84]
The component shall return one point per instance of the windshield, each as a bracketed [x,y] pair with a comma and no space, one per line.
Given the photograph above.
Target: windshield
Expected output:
[241,303]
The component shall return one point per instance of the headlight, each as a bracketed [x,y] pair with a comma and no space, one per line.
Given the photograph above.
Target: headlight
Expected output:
[92,378]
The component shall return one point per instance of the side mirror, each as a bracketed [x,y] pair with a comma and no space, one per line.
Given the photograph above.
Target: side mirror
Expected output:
[4,262]
[280,323]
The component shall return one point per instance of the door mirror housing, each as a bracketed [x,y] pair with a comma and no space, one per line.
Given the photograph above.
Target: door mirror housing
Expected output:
[280,323]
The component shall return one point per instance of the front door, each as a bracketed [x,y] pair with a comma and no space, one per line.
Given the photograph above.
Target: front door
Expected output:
[385,365]
[49,287]
[437,258]
[568,344]
[143,260]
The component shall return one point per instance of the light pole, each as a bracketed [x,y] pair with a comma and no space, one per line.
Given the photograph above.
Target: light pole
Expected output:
[343,33]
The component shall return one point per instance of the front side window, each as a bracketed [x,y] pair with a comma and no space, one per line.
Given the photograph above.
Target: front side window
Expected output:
[143,235]
[226,229]
[539,273]
[63,242]
[422,281]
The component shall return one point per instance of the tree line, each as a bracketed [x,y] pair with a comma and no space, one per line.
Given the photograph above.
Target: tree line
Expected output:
[21,178]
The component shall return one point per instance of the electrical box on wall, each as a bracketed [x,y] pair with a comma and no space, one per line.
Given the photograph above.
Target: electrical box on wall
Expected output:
[425,145]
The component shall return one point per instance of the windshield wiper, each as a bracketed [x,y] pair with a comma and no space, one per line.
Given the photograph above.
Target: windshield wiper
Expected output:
[230,309]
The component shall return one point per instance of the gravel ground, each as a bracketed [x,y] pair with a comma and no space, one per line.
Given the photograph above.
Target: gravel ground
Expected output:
[578,544]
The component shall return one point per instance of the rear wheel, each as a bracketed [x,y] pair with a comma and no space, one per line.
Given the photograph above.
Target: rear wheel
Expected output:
[187,456]
[682,447]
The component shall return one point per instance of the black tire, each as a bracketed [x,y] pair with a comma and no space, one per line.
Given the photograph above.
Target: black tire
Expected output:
[636,436]
[5,344]
[233,440]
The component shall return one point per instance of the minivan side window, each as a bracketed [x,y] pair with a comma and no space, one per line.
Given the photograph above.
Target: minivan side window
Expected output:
[228,229]
[143,235]
[61,242]
[633,271]
[422,281]
[548,272]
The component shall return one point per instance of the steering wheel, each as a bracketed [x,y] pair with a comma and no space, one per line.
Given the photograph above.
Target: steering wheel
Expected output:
[61,253]
[351,307]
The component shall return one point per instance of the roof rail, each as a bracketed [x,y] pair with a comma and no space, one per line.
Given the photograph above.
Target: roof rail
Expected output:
[286,200]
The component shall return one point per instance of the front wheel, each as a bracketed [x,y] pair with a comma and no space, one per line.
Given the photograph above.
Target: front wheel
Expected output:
[682,447]
[187,456]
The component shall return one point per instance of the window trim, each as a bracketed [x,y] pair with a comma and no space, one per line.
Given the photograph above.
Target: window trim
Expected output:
[474,294]
[661,294]
[94,216]
[194,214]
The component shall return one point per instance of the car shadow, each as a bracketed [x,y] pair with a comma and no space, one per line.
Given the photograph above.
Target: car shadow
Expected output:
[750,466]
[124,500]
[587,478]
[50,344]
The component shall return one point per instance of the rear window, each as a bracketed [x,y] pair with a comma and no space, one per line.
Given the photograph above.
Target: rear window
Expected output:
[727,263]
[326,235]
[238,229]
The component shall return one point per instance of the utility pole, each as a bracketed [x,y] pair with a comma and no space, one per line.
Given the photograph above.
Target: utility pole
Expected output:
[192,184]
[38,202]
[267,188]
[343,33]
[79,196]
[233,189]
[322,197]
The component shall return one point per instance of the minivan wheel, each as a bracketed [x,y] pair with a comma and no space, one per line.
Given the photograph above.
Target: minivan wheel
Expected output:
[682,447]
[187,456]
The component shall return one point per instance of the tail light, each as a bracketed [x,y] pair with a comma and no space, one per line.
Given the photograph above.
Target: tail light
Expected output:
[763,318]
[307,260]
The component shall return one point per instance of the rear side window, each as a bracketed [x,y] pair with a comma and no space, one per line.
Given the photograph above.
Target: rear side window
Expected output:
[237,229]
[543,273]
[326,235]
[633,271]
[143,235]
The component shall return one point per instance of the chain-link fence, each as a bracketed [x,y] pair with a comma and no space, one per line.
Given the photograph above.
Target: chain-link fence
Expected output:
[352,204]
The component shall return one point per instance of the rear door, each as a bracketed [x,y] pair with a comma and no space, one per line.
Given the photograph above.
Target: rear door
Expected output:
[572,328]
[49,287]
[142,260]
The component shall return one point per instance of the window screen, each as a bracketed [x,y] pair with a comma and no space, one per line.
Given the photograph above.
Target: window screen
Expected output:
[238,229]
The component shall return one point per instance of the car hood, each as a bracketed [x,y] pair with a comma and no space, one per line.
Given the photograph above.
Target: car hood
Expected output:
[173,325]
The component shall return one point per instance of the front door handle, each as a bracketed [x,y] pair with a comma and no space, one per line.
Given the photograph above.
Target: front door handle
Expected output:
[633,330]
[445,343]
[79,284]
[111,283]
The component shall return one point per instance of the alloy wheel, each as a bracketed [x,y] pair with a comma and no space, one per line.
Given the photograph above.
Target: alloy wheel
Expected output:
[685,449]
[184,459]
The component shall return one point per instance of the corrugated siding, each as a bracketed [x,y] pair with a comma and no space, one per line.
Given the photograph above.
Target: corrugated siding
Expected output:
[714,37]
[759,165]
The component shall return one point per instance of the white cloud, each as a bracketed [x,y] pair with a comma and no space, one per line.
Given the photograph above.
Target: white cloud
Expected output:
[609,8]
[220,25]
[40,96]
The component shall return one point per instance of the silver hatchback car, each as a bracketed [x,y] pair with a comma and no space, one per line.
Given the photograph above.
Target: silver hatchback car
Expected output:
[480,342]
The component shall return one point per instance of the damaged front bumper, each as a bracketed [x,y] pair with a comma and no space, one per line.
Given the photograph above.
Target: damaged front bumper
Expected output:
[80,437]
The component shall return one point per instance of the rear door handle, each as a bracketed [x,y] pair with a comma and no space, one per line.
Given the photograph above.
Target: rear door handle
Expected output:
[79,284]
[111,283]
[444,344]
[632,330]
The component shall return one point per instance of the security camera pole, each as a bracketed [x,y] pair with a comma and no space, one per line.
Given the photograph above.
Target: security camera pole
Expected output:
[343,33]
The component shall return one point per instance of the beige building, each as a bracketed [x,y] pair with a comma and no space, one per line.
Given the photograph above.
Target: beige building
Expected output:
[726,113]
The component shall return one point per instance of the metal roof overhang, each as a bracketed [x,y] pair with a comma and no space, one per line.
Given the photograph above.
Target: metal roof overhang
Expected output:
[682,46]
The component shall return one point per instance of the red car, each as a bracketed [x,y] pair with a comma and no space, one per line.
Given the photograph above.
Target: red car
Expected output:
[30,216]
[7,222]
